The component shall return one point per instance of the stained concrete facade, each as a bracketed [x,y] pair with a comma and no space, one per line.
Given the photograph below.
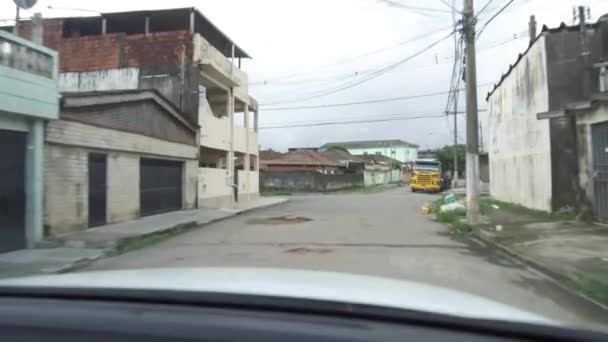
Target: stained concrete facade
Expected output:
[68,145]
[519,144]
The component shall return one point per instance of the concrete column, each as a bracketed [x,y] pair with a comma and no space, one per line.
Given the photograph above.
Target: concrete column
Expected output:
[230,162]
[255,121]
[34,184]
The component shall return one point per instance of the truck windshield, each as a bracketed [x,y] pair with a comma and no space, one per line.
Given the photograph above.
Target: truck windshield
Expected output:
[426,166]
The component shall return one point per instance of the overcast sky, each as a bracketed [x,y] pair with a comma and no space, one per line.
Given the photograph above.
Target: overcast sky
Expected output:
[305,48]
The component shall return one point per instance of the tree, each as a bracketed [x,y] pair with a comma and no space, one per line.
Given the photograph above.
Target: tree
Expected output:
[446,157]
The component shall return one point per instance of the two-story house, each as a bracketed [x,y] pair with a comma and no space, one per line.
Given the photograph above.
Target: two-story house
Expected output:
[155,116]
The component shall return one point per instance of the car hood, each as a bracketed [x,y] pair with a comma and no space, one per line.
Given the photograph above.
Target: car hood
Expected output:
[315,285]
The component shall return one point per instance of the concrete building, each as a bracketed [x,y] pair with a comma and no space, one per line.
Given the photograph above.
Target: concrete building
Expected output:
[28,99]
[300,160]
[397,149]
[192,64]
[548,119]
[115,156]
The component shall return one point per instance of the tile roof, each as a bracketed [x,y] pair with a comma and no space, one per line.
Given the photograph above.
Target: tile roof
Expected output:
[370,144]
[338,155]
[302,157]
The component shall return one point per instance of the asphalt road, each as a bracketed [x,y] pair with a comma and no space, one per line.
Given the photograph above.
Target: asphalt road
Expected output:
[381,234]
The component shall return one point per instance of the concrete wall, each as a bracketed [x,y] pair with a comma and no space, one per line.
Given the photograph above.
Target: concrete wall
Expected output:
[68,145]
[99,80]
[376,177]
[585,151]
[248,185]
[403,154]
[214,188]
[123,187]
[214,131]
[307,181]
[519,144]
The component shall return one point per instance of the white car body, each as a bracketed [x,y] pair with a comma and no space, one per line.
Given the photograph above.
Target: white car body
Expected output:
[327,286]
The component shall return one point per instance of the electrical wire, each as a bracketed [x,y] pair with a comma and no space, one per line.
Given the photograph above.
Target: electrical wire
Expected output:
[371,77]
[328,123]
[494,17]
[483,8]
[417,8]
[365,54]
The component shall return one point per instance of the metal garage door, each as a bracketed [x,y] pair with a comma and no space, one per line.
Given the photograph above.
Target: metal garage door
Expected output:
[12,190]
[160,186]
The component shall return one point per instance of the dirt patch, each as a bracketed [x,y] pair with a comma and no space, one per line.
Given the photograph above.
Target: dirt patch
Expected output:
[288,219]
[306,250]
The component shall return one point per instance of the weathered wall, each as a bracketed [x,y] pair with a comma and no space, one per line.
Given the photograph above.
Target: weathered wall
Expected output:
[67,147]
[571,78]
[214,187]
[123,187]
[99,80]
[585,152]
[376,177]
[519,143]
[307,181]
[143,117]
[66,189]
[79,134]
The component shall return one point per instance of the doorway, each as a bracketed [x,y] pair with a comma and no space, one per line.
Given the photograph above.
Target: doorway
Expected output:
[599,142]
[98,166]
[12,190]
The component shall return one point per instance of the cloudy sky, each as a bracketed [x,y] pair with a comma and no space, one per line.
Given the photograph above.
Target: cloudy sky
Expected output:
[324,52]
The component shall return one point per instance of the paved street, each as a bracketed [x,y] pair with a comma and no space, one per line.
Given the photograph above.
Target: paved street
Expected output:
[380,234]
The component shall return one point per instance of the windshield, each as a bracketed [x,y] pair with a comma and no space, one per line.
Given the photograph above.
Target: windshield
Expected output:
[287,135]
[426,166]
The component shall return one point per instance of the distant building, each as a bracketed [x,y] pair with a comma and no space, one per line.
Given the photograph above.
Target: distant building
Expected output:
[348,163]
[300,160]
[548,122]
[397,149]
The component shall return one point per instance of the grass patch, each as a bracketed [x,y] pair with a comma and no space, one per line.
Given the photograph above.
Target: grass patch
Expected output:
[589,286]
[485,207]
[455,218]
[277,193]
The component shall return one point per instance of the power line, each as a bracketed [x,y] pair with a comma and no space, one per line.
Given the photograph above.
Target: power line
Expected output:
[374,75]
[483,8]
[417,8]
[365,102]
[494,16]
[328,123]
[365,54]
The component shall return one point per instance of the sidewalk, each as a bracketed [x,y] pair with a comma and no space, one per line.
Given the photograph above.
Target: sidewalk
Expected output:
[571,252]
[70,251]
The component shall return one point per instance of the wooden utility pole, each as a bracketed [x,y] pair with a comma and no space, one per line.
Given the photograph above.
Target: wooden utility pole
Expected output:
[472,159]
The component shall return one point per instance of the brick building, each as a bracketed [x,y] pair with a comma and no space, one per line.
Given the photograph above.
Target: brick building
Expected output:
[178,72]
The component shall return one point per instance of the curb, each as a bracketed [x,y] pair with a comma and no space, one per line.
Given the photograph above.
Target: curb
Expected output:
[125,245]
[558,278]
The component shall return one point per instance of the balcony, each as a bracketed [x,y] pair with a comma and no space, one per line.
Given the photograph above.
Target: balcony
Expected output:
[28,78]
[245,141]
[218,68]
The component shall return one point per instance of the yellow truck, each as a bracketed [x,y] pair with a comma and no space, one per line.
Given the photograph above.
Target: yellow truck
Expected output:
[426,176]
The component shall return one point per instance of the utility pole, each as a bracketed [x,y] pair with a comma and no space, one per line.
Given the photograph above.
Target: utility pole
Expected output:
[472,161]
[456,58]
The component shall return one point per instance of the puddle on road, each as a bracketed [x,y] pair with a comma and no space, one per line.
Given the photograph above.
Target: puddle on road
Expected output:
[288,219]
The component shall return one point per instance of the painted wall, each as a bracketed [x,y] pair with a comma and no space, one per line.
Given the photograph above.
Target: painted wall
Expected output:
[402,153]
[519,144]
[376,177]
[214,131]
[214,187]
